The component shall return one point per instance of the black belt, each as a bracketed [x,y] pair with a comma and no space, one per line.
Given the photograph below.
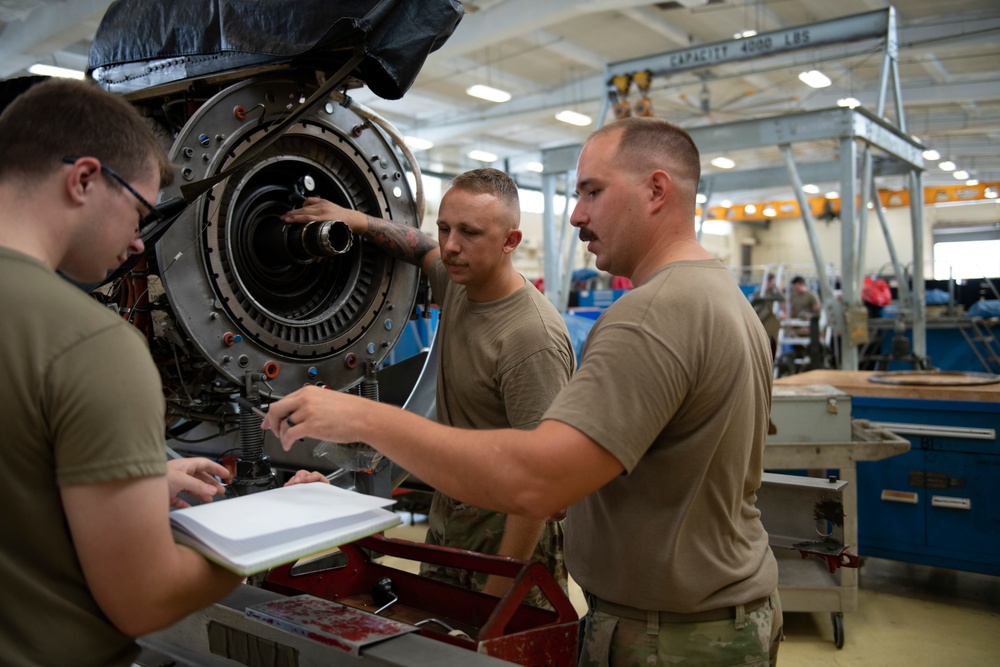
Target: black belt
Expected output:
[720,614]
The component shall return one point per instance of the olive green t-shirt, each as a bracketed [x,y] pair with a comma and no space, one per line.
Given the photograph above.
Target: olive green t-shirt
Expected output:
[82,404]
[675,382]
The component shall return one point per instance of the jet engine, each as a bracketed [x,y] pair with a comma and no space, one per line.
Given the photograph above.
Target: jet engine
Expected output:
[239,308]
[234,302]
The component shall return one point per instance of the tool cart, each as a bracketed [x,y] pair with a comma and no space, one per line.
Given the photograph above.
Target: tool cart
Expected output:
[813,435]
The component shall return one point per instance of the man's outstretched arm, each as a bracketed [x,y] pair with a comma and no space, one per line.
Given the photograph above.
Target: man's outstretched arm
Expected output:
[396,238]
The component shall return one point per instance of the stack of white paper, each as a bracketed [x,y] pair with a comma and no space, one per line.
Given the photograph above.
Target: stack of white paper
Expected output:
[257,532]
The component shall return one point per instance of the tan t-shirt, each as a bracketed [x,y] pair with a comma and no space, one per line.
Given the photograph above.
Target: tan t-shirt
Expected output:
[82,403]
[501,363]
[675,382]
[803,304]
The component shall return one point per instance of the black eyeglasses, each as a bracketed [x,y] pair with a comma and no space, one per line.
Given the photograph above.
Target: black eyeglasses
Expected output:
[146,222]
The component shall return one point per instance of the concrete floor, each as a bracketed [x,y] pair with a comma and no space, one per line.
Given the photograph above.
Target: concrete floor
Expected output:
[908,615]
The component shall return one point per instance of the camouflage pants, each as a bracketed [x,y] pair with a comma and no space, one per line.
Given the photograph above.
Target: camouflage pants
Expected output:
[750,641]
[459,526]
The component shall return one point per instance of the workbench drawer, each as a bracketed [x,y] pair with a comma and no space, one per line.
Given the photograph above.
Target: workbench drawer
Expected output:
[938,504]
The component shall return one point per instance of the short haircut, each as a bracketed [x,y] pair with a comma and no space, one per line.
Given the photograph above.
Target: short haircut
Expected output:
[798,280]
[489,181]
[647,144]
[69,118]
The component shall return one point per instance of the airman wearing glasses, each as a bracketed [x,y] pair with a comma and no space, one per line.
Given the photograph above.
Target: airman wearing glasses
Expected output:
[87,548]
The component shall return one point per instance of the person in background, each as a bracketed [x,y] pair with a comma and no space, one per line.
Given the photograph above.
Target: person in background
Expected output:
[764,305]
[505,353]
[656,443]
[87,558]
[803,302]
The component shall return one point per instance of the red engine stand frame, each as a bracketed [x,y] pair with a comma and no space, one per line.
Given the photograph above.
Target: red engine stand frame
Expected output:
[503,628]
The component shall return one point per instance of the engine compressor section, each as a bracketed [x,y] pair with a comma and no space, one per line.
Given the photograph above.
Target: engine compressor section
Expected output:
[262,300]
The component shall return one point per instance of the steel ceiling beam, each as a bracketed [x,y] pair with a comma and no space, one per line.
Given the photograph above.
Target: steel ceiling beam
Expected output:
[872,25]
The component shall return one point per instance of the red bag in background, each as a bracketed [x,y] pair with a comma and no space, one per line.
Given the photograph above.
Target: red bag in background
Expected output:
[876,292]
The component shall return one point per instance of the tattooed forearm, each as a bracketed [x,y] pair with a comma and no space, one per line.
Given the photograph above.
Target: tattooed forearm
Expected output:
[399,240]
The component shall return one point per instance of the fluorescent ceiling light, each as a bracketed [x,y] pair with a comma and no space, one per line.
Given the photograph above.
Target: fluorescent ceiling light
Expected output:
[811,189]
[482,156]
[700,198]
[534,166]
[815,79]
[931,155]
[723,163]
[947,165]
[832,194]
[991,193]
[745,33]
[725,203]
[961,175]
[418,144]
[717,227]
[749,209]
[573,118]
[972,181]
[769,211]
[488,93]
[49,70]
[849,102]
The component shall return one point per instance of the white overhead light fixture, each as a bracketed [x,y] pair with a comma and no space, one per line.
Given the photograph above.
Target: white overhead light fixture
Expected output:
[725,203]
[573,118]
[488,93]
[947,165]
[749,209]
[972,181]
[717,227]
[991,193]
[815,79]
[832,194]
[723,163]
[482,156]
[536,167]
[50,70]
[418,144]
[744,34]
[811,189]
[700,198]
[849,102]
[961,175]
[931,155]
[769,211]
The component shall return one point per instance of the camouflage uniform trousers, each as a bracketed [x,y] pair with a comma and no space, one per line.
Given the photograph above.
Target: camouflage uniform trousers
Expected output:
[750,641]
[460,526]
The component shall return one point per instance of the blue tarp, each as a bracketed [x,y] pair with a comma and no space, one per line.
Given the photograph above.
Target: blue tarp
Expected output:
[985,308]
[579,328]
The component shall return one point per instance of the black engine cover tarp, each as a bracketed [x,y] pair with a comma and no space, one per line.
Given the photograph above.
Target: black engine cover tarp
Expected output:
[143,43]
